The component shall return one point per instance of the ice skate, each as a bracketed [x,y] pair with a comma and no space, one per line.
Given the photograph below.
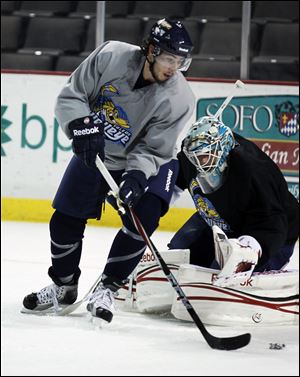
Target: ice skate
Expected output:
[101,302]
[52,298]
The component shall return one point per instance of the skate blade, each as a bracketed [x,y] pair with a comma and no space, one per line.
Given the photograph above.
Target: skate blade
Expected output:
[96,322]
[49,311]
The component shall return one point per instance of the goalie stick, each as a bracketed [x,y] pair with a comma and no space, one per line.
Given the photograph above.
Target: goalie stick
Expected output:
[237,84]
[230,343]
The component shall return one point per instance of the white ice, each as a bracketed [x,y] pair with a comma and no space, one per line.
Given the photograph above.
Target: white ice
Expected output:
[132,344]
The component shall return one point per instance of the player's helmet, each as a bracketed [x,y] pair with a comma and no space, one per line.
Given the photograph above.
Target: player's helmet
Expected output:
[207,145]
[170,36]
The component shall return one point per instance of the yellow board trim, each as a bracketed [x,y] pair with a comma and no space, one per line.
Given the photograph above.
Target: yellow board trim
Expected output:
[36,210]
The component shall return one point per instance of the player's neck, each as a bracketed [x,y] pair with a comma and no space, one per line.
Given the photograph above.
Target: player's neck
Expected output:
[147,75]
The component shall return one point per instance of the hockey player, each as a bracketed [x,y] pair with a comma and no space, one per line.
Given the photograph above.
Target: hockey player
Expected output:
[244,208]
[128,105]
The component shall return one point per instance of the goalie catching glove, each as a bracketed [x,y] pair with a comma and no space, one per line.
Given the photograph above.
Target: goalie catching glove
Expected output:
[237,258]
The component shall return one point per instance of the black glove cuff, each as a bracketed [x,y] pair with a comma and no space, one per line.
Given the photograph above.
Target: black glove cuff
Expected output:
[86,126]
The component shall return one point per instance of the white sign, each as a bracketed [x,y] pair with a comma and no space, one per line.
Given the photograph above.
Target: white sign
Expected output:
[35,151]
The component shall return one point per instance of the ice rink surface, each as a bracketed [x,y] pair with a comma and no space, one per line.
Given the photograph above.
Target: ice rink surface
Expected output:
[133,344]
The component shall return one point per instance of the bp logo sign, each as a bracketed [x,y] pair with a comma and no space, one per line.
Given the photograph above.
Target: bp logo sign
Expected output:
[5,124]
[31,132]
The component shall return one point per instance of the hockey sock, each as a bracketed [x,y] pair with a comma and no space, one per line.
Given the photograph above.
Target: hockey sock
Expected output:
[66,244]
[61,281]
[66,279]
[128,246]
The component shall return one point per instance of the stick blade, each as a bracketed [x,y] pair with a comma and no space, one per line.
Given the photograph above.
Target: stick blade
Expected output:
[229,344]
[69,309]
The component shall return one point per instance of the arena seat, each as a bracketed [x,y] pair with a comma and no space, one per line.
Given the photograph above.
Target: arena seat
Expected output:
[278,42]
[67,29]
[12,32]
[13,60]
[216,11]
[222,41]
[170,9]
[8,7]
[68,63]
[278,57]
[275,11]
[120,29]
[54,35]
[45,8]
[215,69]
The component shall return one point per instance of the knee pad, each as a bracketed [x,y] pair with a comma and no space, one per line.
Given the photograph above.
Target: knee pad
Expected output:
[66,229]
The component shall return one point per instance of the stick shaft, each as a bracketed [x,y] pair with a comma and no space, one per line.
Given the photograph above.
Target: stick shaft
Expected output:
[237,84]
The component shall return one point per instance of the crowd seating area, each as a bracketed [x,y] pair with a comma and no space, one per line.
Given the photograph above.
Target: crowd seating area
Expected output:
[59,35]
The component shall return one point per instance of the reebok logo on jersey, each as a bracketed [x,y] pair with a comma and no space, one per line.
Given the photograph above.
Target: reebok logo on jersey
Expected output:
[86,131]
[169,177]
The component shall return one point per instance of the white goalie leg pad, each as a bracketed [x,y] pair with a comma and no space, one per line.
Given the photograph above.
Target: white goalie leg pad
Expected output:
[148,290]
[236,259]
[269,298]
[154,293]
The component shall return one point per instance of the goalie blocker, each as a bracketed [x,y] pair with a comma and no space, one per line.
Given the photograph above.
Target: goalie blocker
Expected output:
[270,298]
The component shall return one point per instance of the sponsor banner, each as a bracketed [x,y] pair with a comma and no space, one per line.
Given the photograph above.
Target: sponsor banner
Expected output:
[261,117]
[285,153]
[35,151]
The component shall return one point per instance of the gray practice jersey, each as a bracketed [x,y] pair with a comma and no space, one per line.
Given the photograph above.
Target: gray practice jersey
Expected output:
[141,125]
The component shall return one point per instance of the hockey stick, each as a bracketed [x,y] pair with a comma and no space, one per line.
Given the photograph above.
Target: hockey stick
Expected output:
[71,308]
[230,343]
[237,84]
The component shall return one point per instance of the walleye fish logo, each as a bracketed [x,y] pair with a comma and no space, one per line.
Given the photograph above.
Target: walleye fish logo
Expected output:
[206,209]
[116,123]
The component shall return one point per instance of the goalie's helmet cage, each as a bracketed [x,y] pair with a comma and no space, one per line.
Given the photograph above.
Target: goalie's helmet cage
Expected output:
[172,37]
[207,145]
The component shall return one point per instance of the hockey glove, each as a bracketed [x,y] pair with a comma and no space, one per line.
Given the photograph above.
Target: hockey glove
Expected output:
[133,185]
[237,258]
[88,138]
[251,242]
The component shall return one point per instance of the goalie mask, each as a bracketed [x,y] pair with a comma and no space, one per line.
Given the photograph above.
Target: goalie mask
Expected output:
[170,38]
[207,145]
